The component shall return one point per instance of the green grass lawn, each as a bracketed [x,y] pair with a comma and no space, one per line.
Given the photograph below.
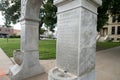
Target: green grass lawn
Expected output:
[47,48]
[9,46]
[106,45]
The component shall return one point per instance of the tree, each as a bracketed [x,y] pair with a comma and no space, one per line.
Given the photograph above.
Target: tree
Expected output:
[42,30]
[48,15]
[109,7]
[11,12]
[48,12]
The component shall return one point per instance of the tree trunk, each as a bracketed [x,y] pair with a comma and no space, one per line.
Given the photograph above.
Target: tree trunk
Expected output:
[40,25]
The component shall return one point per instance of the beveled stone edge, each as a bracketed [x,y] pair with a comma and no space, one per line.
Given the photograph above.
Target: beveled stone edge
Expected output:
[96,2]
[59,2]
[27,19]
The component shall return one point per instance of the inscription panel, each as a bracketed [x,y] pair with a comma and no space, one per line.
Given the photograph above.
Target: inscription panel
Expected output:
[67,41]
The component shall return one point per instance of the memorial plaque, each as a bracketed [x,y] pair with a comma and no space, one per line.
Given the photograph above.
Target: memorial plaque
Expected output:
[67,42]
[76,40]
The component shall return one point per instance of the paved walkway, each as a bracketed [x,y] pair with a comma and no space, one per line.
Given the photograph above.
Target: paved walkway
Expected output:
[5,63]
[107,66]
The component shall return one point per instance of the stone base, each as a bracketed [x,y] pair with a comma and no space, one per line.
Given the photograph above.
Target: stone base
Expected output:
[29,67]
[57,74]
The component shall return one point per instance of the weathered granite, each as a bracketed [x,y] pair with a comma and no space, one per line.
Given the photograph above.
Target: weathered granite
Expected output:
[27,58]
[76,39]
[57,74]
[18,56]
[30,9]
[29,67]
[67,40]
[29,29]
[65,5]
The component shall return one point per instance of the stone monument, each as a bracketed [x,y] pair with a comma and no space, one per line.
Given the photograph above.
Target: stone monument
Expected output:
[76,40]
[27,58]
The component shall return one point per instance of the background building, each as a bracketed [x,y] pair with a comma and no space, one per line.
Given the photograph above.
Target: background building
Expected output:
[111,31]
[8,31]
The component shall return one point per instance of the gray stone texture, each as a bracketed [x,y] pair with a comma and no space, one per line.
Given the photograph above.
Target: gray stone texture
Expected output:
[28,65]
[30,9]
[29,36]
[56,74]
[18,56]
[76,38]
[103,60]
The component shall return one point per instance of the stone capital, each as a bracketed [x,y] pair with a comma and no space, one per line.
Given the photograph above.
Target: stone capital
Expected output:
[65,5]
[96,2]
[30,9]
[59,2]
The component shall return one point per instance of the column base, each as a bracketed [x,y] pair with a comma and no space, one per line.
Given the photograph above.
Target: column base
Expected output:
[29,67]
[57,74]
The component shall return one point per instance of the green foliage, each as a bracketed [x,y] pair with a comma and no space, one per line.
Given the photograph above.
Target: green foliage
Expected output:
[111,7]
[48,14]
[14,36]
[42,31]
[115,7]
[11,12]
[103,14]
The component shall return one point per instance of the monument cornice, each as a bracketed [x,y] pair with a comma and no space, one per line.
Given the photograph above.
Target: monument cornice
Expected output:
[59,2]
[28,19]
[96,2]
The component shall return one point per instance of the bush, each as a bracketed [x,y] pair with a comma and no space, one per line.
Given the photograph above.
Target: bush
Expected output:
[14,36]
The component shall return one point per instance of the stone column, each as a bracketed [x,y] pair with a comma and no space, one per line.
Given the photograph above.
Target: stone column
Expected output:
[27,58]
[76,40]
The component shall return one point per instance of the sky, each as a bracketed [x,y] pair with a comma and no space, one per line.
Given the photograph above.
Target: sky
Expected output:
[15,26]
[1,19]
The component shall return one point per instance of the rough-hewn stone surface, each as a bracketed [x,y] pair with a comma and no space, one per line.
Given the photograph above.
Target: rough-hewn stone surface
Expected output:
[29,36]
[18,56]
[76,39]
[67,40]
[30,65]
[30,9]
[56,74]
[103,59]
